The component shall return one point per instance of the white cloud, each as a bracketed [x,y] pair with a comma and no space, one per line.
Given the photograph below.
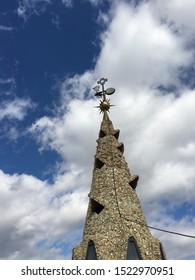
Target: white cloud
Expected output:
[33,3]
[5,28]
[15,109]
[143,48]
[7,81]
[160,134]
[28,7]
[95,2]
[179,12]
[76,87]
[45,213]
[62,132]
[56,20]
[177,247]
[67,3]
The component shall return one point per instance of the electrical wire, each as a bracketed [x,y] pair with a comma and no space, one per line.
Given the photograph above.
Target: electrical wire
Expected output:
[160,229]
[171,232]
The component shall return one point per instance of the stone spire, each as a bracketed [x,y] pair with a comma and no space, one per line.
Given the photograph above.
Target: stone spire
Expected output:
[115,227]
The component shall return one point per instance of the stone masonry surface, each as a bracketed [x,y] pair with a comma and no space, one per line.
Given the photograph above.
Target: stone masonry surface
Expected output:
[120,215]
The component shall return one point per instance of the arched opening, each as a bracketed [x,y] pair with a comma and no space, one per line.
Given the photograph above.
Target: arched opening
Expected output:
[91,252]
[133,252]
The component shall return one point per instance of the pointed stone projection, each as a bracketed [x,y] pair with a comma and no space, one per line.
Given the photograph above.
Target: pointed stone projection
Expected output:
[115,227]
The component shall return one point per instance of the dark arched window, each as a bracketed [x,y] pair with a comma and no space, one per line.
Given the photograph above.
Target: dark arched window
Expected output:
[133,252]
[91,252]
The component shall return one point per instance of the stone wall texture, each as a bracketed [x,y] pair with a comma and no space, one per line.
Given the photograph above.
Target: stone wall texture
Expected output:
[114,212]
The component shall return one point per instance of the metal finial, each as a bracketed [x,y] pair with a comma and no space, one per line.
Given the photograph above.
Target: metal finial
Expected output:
[104,102]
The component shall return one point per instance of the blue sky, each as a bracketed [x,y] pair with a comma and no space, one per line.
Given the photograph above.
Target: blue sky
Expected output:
[38,49]
[51,55]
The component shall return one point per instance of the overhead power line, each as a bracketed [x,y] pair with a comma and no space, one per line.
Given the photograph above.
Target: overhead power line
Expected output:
[163,230]
[172,232]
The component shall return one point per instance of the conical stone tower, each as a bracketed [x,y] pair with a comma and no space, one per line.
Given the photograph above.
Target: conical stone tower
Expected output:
[115,227]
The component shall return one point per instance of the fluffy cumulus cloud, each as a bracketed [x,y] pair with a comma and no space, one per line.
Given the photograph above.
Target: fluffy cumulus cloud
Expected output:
[176,12]
[15,109]
[35,216]
[12,112]
[145,53]
[144,50]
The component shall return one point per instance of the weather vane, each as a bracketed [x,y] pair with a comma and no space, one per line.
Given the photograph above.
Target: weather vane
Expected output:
[104,102]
